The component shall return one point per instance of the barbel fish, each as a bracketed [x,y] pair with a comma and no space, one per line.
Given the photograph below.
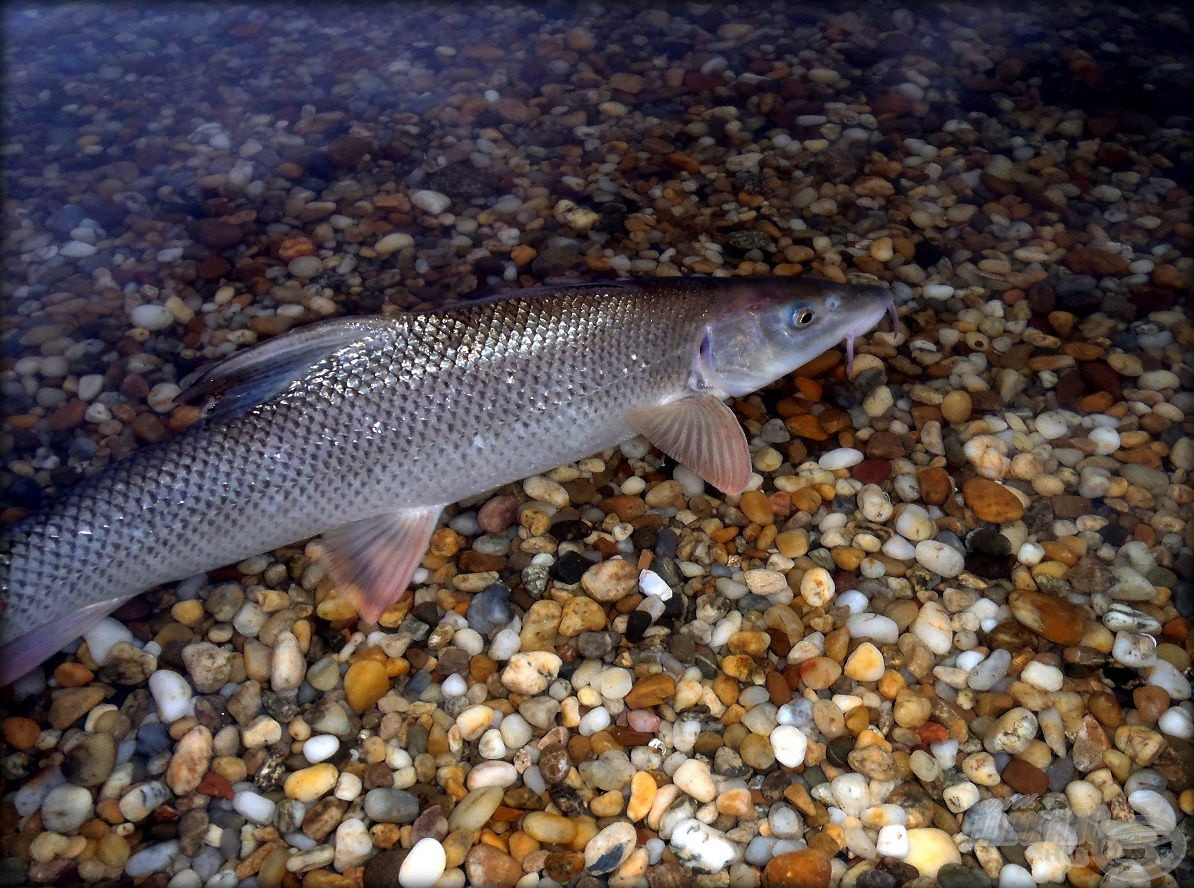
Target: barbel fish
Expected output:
[364,429]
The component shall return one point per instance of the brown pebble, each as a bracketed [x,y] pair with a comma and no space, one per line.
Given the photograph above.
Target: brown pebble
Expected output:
[1025,777]
[1151,701]
[956,406]
[218,234]
[808,868]
[19,732]
[487,867]
[873,470]
[71,704]
[991,501]
[1048,616]
[498,513]
[935,485]
[365,683]
[651,691]
[757,507]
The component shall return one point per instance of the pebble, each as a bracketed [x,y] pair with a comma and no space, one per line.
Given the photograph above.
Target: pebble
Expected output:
[991,501]
[172,694]
[155,858]
[530,672]
[320,747]
[142,800]
[807,868]
[191,759]
[865,663]
[695,779]
[151,317]
[353,844]
[424,865]
[932,626]
[308,784]
[701,847]
[929,849]
[65,808]
[789,744]
[609,848]
[841,458]
[365,683]
[432,202]
[816,587]
[609,581]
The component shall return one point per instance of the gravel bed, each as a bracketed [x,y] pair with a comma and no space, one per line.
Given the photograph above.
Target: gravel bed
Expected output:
[943,639]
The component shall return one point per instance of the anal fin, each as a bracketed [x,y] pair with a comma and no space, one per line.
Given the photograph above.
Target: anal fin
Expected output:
[372,560]
[30,650]
[702,434]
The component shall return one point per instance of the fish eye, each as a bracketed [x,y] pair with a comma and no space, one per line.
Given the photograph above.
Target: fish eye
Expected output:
[802,316]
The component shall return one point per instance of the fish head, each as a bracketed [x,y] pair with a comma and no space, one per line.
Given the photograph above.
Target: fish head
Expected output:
[762,329]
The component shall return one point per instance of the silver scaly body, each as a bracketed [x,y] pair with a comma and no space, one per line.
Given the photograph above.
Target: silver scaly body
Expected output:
[376,422]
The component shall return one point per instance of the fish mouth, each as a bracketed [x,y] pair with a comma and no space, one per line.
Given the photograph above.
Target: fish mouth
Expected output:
[866,322]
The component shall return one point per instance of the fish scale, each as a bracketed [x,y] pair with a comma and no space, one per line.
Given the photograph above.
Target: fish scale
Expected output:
[377,417]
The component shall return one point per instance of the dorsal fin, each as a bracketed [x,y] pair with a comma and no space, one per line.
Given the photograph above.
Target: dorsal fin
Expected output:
[239,382]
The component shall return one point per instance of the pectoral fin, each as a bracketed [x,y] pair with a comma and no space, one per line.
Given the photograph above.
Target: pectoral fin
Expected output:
[701,433]
[372,560]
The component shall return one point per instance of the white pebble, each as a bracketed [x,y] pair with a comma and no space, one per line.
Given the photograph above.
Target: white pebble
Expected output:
[1133,650]
[1105,440]
[320,748]
[65,808]
[151,317]
[840,458]
[392,243]
[1012,875]
[353,844]
[893,841]
[1176,721]
[1168,678]
[424,864]
[156,858]
[432,202]
[288,667]
[875,627]
[593,721]
[695,779]
[172,694]
[701,847]
[492,774]
[76,250]
[961,796]
[252,806]
[851,793]
[932,626]
[789,745]
[1030,553]
[653,584]
[994,667]
[914,524]
[943,560]
[874,503]
[103,636]
[1042,675]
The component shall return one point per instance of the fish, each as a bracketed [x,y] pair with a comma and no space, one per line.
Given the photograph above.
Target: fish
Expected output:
[363,429]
